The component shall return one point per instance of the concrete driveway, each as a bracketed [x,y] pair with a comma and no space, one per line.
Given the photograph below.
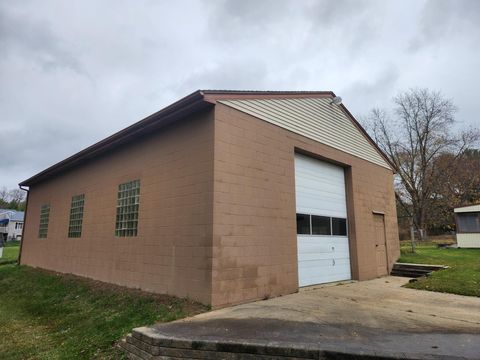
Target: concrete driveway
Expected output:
[374,318]
[379,304]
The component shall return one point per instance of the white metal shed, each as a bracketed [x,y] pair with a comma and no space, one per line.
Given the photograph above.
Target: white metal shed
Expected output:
[467,219]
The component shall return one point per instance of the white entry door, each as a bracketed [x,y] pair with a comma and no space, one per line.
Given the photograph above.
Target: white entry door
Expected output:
[322,234]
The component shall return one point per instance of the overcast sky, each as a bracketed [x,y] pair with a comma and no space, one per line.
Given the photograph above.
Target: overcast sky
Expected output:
[74,72]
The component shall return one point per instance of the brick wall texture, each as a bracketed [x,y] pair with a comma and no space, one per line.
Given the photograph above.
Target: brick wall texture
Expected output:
[217,211]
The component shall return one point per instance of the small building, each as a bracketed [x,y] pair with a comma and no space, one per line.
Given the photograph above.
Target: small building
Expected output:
[11,224]
[224,197]
[467,220]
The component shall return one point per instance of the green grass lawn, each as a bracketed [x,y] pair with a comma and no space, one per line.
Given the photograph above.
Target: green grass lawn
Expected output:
[10,252]
[45,315]
[463,276]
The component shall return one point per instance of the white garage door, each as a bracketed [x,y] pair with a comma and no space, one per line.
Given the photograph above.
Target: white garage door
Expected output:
[322,237]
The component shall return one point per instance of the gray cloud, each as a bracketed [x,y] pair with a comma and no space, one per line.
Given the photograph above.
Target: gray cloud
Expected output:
[72,73]
[374,91]
[222,76]
[446,19]
[351,22]
[33,39]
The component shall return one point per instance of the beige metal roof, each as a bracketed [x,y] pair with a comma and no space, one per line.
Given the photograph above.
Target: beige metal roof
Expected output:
[314,118]
[471,208]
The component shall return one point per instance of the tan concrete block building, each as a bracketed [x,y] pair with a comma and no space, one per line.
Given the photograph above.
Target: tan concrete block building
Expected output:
[224,197]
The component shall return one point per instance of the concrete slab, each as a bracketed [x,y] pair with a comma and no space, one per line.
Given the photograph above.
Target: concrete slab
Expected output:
[381,303]
[376,317]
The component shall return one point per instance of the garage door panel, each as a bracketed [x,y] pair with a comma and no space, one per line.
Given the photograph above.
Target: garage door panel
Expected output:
[309,252]
[331,278]
[315,263]
[310,206]
[322,274]
[320,190]
[329,200]
[324,278]
[324,256]
[308,167]
[321,204]
[312,243]
[325,261]
[311,186]
[319,187]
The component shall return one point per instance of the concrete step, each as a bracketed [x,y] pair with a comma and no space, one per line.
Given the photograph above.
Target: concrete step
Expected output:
[150,344]
[419,266]
[414,270]
[138,350]
[409,274]
[146,348]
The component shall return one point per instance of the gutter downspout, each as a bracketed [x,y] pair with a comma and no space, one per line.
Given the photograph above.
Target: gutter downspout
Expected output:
[24,224]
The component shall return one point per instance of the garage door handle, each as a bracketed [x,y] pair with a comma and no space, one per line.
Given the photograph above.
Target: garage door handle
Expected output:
[333,262]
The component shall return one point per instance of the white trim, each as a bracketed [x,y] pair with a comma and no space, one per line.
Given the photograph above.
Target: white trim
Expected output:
[471,208]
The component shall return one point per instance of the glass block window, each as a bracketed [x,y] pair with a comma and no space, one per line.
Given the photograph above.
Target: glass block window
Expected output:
[76,216]
[128,201]
[44,217]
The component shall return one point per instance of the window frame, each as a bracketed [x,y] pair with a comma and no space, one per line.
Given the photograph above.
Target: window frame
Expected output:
[458,229]
[331,225]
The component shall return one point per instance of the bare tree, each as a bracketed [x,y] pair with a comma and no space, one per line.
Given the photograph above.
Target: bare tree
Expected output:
[414,135]
[12,199]
[460,186]
[16,195]
[4,194]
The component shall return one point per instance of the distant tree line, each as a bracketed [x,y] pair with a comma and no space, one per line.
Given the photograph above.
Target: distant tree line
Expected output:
[437,163]
[13,199]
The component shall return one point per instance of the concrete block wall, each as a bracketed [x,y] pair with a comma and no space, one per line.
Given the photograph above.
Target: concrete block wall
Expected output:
[254,229]
[172,252]
[217,211]
[254,241]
